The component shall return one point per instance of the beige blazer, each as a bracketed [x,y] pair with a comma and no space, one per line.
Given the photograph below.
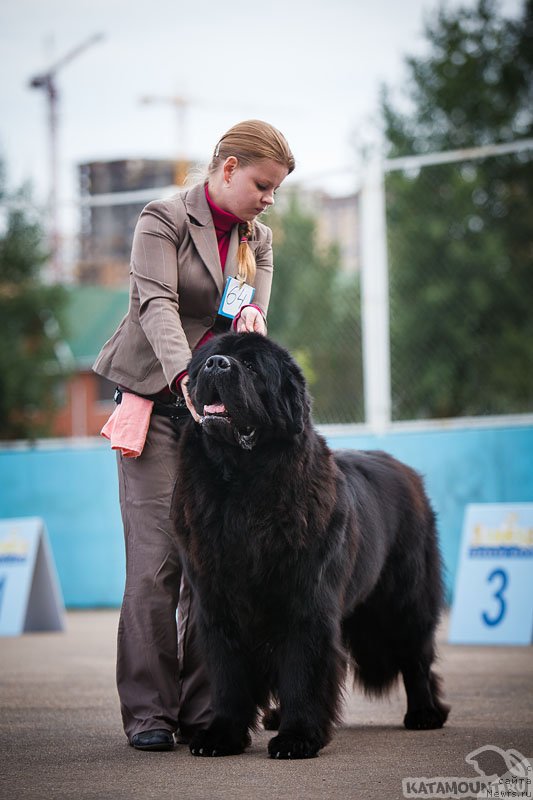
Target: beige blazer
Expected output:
[176,285]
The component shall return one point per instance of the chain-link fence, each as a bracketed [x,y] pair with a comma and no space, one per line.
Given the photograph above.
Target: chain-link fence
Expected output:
[456,324]
[453,312]
[315,311]
[460,253]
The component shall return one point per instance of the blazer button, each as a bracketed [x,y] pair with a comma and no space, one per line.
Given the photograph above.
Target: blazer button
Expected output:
[208,321]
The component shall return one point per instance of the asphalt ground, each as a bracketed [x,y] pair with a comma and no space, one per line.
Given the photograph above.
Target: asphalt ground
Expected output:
[61,736]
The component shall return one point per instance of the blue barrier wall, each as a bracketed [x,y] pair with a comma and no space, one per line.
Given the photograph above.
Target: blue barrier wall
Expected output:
[74,489]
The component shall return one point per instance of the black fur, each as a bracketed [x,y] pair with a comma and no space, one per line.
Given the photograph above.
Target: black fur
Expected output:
[301,558]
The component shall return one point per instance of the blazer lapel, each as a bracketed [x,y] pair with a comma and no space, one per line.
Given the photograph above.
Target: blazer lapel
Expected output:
[202,230]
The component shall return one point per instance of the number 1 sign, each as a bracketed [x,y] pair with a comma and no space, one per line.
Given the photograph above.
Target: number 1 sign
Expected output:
[493,601]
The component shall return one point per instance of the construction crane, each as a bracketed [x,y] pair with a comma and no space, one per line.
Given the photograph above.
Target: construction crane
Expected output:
[47,82]
[181,104]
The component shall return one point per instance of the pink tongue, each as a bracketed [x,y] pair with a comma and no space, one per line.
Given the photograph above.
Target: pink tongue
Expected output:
[216,408]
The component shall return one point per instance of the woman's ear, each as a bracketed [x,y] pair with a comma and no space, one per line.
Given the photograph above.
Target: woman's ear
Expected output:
[230,164]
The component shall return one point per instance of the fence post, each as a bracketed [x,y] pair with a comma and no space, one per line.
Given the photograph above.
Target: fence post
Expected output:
[375,299]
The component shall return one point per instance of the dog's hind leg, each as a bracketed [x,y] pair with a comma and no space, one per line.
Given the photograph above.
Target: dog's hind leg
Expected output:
[383,648]
[375,664]
[271,717]
[425,709]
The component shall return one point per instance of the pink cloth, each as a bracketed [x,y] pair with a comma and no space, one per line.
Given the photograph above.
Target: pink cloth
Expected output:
[127,426]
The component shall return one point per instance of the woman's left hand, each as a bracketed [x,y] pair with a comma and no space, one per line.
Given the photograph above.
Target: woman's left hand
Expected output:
[186,395]
[251,321]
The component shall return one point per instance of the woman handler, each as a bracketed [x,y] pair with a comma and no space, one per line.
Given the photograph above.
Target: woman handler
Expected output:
[184,250]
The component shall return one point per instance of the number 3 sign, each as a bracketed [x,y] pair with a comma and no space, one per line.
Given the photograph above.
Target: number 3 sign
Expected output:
[493,601]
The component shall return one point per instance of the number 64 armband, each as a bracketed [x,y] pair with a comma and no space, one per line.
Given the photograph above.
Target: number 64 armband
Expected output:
[236,295]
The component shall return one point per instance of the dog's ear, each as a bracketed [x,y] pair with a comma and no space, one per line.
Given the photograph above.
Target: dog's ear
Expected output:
[294,398]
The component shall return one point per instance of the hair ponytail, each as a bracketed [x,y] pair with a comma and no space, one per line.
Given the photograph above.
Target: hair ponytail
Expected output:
[245,256]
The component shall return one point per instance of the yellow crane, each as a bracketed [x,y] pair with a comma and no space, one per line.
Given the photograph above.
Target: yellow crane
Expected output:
[181,104]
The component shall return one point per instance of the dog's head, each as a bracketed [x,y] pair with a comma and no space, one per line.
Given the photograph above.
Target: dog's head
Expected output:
[247,390]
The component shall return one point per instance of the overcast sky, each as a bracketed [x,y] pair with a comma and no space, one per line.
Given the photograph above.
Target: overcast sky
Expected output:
[311,68]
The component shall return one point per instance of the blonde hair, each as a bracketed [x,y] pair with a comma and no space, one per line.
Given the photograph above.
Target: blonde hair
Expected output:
[250,141]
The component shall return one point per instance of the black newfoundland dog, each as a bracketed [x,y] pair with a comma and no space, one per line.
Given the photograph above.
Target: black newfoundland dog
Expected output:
[303,560]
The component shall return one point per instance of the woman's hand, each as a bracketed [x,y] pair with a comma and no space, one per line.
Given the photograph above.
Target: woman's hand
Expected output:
[187,397]
[251,321]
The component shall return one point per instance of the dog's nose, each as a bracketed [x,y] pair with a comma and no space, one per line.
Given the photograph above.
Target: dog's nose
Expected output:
[217,364]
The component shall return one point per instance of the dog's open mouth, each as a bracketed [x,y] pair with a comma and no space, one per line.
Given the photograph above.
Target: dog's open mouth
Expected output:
[217,414]
[216,410]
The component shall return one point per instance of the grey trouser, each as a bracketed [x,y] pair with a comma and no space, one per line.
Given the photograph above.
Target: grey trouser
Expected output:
[156,693]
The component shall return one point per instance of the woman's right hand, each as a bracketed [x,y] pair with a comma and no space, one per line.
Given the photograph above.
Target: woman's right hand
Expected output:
[187,397]
[251,321]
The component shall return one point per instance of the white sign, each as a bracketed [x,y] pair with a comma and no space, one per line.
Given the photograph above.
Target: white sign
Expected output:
[493,602]
[30,597]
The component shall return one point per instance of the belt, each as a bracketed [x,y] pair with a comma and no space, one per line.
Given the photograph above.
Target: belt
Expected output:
[177,409]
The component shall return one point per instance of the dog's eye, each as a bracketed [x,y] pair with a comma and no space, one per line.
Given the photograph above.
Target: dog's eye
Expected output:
[249,366]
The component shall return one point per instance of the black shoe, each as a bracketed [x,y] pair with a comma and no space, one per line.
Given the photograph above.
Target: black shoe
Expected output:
[153,740]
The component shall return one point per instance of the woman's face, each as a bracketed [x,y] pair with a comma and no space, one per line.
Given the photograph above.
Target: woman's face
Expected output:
[249,190]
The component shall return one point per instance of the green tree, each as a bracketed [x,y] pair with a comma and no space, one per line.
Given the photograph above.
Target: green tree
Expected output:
[30,314]
[314,312]
[460,236]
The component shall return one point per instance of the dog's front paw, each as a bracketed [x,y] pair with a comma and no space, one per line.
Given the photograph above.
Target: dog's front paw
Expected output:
[215,741]
[290,745]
